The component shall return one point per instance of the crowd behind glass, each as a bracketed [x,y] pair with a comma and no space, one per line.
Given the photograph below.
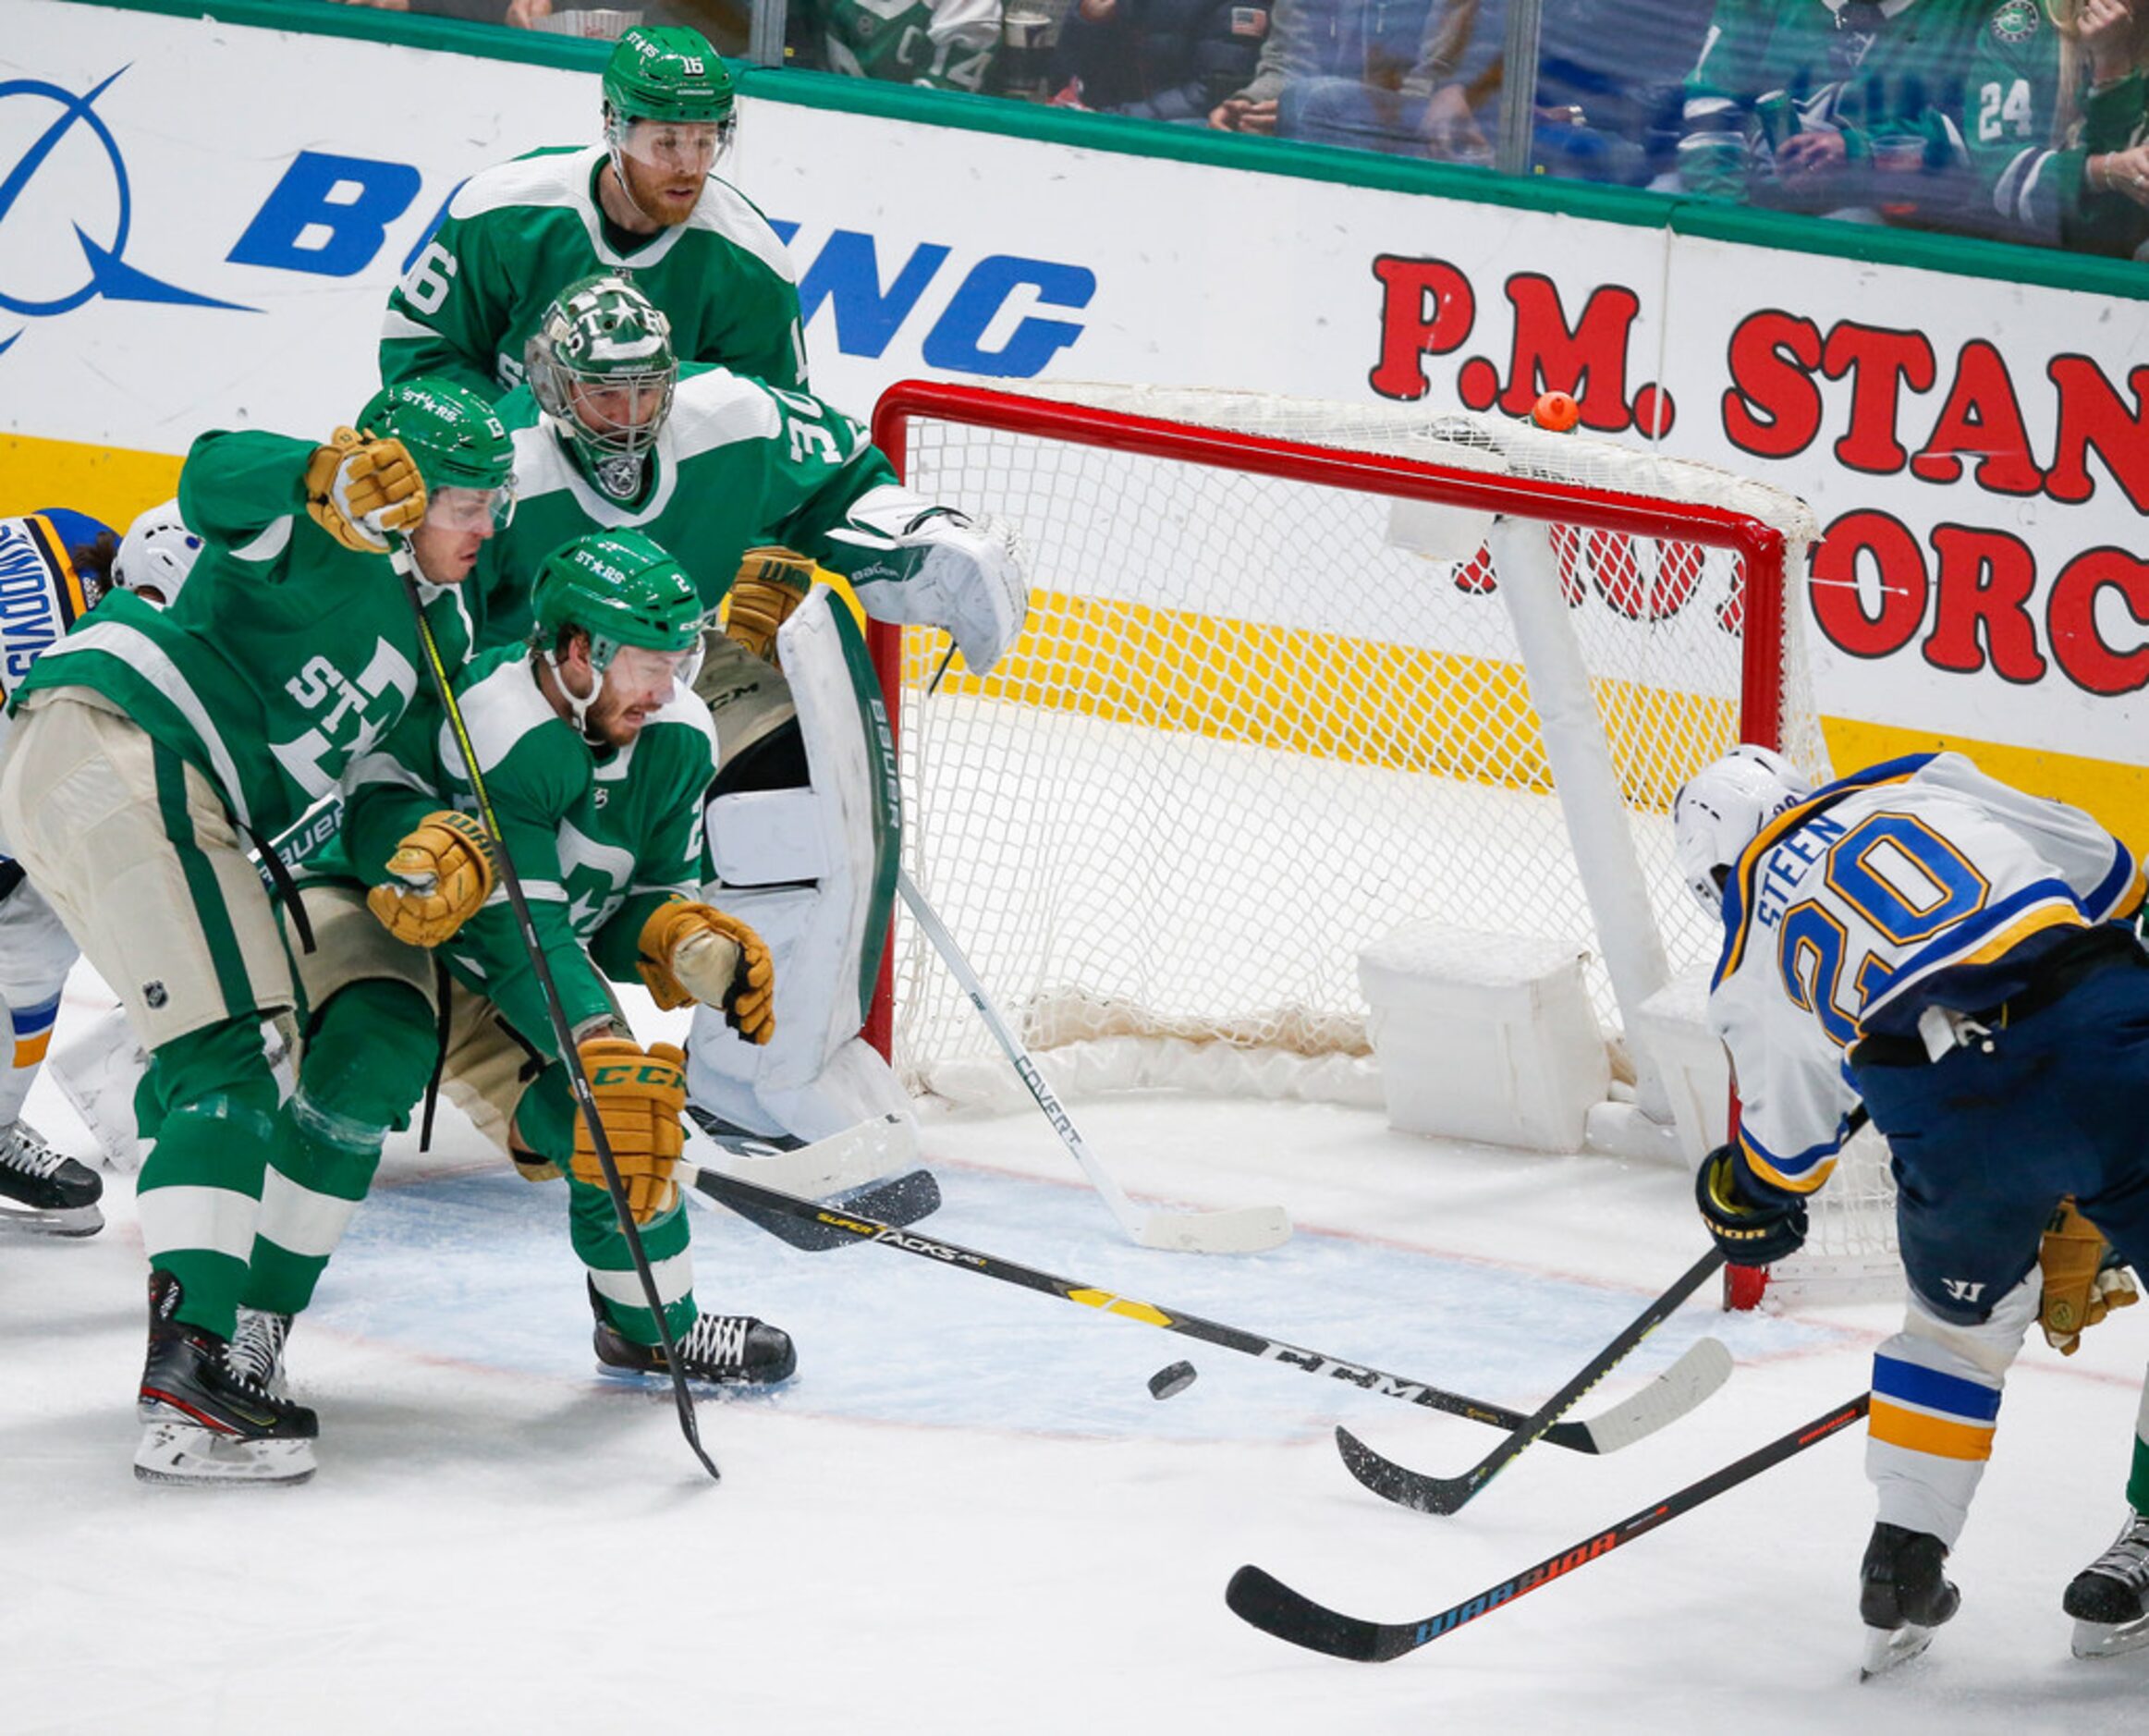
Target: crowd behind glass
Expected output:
[2027,120]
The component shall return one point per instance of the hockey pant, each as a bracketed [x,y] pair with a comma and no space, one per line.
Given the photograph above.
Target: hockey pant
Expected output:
[804,832]
[36,953]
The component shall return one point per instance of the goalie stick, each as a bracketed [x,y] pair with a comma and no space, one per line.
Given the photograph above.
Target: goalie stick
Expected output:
[1671,1395]
[1260,1599]
[1448,1495]
[1248,1229]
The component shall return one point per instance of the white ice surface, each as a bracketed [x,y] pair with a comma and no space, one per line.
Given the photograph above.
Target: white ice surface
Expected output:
[967,1514]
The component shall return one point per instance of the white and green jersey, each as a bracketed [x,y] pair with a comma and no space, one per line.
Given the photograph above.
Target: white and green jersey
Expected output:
[286,656]
[943,44]
[600,836]
[517,234]
[737,464]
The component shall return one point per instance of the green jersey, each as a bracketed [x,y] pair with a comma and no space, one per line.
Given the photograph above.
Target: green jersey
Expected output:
[943,44]
[737,464]
[2032,176]
[600,836]
[286,656]
[517,234]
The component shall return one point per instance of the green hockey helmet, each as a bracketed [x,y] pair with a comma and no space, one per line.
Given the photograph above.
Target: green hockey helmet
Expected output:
[622,588]
[462,447]
[601,362]
[668,74]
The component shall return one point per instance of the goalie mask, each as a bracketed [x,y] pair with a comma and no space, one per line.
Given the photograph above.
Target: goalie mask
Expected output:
[1721,808]
[461,448]
[601,365]
[632,599]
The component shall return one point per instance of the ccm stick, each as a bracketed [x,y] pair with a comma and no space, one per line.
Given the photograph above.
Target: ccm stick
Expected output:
[1248,1229]
[1673,1393]
[1259,1597]
[1448,1495]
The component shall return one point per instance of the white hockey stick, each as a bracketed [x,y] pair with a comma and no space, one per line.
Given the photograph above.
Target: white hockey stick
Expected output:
[1248,1229]
[845,1160]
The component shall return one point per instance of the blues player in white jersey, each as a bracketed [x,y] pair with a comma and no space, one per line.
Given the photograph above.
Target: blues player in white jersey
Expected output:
[1954,955]
[55,564]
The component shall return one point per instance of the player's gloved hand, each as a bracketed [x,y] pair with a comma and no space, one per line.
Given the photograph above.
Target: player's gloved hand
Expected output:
[693,952]
[1754,1223]
[443,876]
[772,582]
[2083,1278]
[358,489]
[641,1094]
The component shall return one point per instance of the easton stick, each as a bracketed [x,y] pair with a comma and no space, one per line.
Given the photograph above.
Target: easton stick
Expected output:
[1260,1599]
[1671,1395]
[1448,1495]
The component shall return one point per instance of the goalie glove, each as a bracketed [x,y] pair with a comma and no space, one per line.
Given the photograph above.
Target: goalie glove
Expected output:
[694,952]
[641,1094]
[939,569]
[442,874]
[2083,1277]
[771,583]
[358,489]
[1754,1223]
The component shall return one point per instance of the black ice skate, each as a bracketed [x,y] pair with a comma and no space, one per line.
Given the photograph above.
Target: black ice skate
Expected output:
[43,1192]
[2107,1598]
[205,1423]
[256,1351]
[728,1349]
[1902,1596]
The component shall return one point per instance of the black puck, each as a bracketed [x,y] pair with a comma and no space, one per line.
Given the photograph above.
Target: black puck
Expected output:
[1168,1383]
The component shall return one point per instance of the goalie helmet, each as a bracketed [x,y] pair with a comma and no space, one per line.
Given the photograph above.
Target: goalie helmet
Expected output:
[601,364]
[462,449]
[1721,808]
[156,554]
[668,74]
[622,588]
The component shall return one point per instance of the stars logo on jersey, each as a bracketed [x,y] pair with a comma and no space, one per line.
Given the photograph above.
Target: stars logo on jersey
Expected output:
[2016,21]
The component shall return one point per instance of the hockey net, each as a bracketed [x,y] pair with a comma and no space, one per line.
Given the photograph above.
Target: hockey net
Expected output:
[1274,701]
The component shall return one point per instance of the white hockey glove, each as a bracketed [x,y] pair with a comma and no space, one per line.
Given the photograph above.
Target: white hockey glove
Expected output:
[942,569]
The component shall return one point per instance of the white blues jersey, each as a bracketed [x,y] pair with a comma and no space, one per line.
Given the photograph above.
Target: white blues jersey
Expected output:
[1914,884]
[41,594]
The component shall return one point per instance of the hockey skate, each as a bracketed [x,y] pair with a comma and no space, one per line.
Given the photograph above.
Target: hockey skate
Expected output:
[256,1352]
[44,1193]
[2105,1597]
[1902,1597]
[205,1424]
[725,1350]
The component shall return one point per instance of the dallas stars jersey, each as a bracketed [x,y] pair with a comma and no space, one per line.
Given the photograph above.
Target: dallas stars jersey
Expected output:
[284,655]
[517,234]
[2033,177]
[1914,884]
[601,837]
[944,45]
[737,464]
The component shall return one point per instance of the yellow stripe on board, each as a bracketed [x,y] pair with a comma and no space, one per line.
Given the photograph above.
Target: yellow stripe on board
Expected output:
[1918,1432]
[107,482]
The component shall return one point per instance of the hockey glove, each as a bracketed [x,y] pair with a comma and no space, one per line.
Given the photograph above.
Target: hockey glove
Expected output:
[693,952]
[640,1095]
[442,874]
[2084,1279]
[1754,1223]
[771,583]
[359,489]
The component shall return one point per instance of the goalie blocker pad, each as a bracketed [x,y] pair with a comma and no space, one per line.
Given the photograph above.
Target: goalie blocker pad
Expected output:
[813,868]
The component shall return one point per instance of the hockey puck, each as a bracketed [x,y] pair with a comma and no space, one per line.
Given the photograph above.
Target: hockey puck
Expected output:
[1168,1383]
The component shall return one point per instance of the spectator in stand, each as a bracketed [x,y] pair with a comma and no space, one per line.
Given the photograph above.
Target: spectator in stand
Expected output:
[2057,118]
[1847,108]
[943,44]
[725,22]
[1157,59]
[1373,74]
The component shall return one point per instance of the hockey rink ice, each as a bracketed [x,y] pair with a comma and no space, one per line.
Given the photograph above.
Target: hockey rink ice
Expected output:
[968,1514]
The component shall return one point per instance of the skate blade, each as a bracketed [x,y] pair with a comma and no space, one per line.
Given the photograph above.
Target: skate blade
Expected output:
[188,1453]
[76,1220]
[655,1379]
[2098,1639]
[1887,1647]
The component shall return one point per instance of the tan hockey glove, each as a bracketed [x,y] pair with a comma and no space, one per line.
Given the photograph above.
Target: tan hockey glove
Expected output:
[640,1095]
[772,582]
[358,489]
[2084,1281]
[443,876]
[693,952]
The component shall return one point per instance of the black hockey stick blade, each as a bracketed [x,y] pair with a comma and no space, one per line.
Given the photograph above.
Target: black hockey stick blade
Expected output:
[1260,1599]
[1425,1494]
[902,1200]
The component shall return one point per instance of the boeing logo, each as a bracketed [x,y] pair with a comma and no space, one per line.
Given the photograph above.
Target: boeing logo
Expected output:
[55,264]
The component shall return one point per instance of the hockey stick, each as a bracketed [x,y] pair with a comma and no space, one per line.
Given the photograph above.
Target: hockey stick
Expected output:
[1446,1495]
[848,1159]
[1618,1427]
[554,1012]
[1259,1597]
[1248,1229]
[903,1201]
